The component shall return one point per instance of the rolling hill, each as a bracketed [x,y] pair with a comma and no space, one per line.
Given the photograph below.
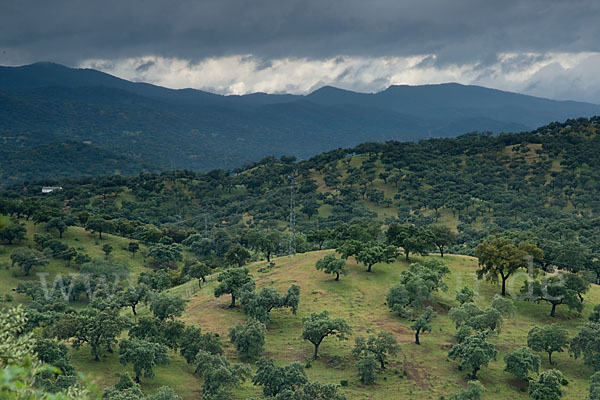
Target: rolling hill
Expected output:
[418,372]
[539,187]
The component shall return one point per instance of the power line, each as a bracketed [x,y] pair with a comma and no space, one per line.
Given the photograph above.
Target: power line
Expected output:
[292,243]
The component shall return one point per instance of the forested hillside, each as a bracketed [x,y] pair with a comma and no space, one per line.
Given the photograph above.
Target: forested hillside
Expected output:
[423,254]
[58,160]
[543,182]
[46,103]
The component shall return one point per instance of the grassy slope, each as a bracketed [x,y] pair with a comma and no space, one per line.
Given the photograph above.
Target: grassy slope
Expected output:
[390,190]
[360,297]
[106,372]
[75,237]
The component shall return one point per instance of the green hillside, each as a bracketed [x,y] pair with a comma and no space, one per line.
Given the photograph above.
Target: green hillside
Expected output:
[60,160]
[502,208]
[418,372]
[359,297]
[544,183]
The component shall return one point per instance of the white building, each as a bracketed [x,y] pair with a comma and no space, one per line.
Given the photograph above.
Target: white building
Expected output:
[50,189]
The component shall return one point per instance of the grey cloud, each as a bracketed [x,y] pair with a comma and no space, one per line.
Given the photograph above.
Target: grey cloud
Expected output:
[580,82]
[145,66]
[458,32]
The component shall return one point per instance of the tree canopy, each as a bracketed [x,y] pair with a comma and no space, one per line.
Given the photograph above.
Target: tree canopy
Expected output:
[319,326]
[231,282]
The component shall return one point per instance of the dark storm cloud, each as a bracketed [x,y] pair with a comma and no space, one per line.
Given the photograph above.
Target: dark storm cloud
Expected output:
[461,31]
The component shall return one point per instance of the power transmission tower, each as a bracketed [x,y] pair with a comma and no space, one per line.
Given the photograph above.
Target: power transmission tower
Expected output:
[206,225]
[293,183]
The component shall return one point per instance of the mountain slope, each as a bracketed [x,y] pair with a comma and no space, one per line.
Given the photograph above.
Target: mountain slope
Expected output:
[191,129]
[545,181]
[59,160]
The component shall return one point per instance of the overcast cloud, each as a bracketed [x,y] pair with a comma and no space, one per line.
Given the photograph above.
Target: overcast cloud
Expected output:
[543,47]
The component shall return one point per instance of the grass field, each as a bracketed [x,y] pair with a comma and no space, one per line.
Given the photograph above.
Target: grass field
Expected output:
[418,372]
[360,298]
[76,237]
[106,372]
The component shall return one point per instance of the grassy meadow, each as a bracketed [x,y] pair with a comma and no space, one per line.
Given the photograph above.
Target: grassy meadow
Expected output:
[418,372]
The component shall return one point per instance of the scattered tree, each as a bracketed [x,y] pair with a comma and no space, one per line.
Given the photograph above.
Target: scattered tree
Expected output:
[332,265]
[157,280]
[237,256]
[465,295]
[318,326]
[97,224]
[58,223]
[474,391]
[563,288]
[82,258]
[548,386]
[471,316]
[423,323]
[372,254]
[133,247]
[314,391]
[521,362]
[499,259]
[380,346]
[366,366]
[165,255]
[231,282]
[276,380]
[248,339]
[412,239]
[594,389]
[124,389]
[193,340]
[549,339]
[350,248]
[167,332]
[143,355]
[474,352]
[134,295]
[99,328]
[258,305]
[27,259]
[12,232]
[164,393]
[269,243]
[416,286]
[318,237]
[505,306]
[52,352]
[442,237]
[200,271]
[595,314]
[219,376]
[587,344]
[165,305]
[107,249]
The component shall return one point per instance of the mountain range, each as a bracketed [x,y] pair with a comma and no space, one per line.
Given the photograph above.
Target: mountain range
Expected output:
[131,126]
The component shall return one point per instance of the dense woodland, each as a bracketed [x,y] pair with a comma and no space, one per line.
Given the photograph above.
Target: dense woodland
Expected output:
[523,202]
[140,124]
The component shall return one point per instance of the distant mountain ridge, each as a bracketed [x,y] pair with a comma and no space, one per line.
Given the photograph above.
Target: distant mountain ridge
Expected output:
[45,103]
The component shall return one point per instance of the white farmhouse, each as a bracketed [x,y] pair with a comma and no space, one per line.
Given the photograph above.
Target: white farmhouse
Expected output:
[50,189]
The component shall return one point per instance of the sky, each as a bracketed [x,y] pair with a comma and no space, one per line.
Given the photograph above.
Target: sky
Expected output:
[547,48]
